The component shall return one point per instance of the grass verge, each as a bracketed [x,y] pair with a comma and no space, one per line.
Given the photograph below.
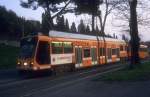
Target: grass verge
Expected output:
[141,72]
[8,56]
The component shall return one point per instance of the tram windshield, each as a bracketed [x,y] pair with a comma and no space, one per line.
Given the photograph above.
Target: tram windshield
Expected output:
[28,46]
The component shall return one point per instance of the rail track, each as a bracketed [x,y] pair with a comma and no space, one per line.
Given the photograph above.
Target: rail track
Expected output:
[28,87]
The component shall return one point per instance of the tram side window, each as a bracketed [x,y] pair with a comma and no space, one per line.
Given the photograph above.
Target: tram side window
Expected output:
[57,48]
[143,49]
[113,51]
[121,48]
[129,49]
[102,51]
[93,54]
[117,52]
[109,53]
[86,53]
[126,48]
[68,48]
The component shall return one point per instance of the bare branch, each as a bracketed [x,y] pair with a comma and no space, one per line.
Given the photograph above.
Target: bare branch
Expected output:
[63,9]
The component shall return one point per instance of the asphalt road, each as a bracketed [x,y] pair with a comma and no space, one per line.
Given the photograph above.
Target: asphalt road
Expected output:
[89,88]
[11,85]
[7,76]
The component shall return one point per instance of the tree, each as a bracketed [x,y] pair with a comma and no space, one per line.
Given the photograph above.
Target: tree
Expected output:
[45,27]
[87,30]
[127,10]
[89,7]
[128,13]
[9,25]
[73,28]
[60,26]
[127,44]
[97,30]
[134,33]
[81,27]
[13,27]
[31,27]
[125,38]
[123,13]
[109,6]
[67,26]
[50,7]
[114,35]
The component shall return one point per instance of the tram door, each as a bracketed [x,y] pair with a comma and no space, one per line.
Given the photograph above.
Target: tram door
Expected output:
[109,53]
[94,56]
[78,56]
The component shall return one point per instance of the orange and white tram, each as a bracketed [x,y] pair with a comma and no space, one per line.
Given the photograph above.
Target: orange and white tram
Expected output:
[68,51]
[143,51]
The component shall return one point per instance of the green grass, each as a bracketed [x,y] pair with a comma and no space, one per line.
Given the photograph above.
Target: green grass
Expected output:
[8,56]
[141,72]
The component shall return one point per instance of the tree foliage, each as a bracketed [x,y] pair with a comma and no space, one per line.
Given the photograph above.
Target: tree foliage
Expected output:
[45,27]
[52,8]
[87,6]
[12,26]
[73,28]
[81,27]
[67,26]
[60,26]
[88,31]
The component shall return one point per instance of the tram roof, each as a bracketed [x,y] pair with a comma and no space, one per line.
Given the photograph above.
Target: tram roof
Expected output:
[143,46]
[53,33]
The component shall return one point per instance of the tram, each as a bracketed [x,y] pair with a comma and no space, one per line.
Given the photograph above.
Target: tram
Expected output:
[69,51]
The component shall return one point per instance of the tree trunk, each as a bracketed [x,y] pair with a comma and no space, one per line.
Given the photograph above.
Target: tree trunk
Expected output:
[102,33]
[93,25]
[102,25]
[49,18]
[134,34]
[98,48]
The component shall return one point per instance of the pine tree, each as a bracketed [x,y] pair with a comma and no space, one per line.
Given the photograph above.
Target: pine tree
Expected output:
[123,37]
[81,27]
[88,29]
[45,25]
[73,28]
[60,26]
[67,26]
[114,35]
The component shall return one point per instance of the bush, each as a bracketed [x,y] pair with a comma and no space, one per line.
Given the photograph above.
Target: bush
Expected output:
[8,56]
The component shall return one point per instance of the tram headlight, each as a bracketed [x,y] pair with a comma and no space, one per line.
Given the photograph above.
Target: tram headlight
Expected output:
[25,63]
[18,63]
[31,63]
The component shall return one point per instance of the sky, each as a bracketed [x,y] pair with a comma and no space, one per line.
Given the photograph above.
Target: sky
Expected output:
[36,15]
[27,13]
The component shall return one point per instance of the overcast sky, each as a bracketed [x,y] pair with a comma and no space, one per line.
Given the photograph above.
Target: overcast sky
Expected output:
[36,15]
